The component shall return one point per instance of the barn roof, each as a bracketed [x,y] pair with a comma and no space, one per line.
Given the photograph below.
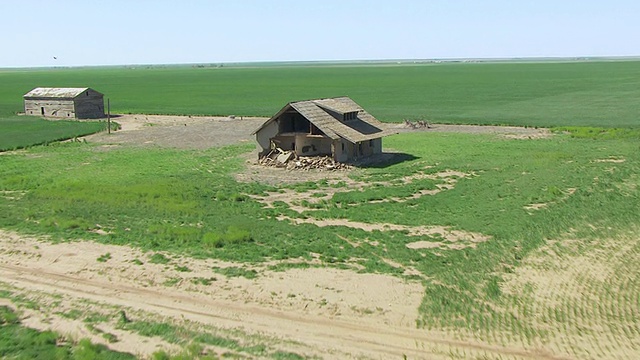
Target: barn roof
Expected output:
[58,93]
[364,127]
[341,105]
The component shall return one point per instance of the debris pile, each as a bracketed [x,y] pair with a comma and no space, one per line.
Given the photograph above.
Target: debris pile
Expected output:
[289,160]
[417,124]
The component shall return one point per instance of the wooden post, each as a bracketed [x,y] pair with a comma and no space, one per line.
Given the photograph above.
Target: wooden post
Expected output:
[108,116]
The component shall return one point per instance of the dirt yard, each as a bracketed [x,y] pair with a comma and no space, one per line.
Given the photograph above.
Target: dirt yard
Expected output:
[184,132]
[318,312]
[195,132]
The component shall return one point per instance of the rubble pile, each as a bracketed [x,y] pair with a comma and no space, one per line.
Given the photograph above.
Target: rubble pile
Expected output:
[290,161]
[416,124]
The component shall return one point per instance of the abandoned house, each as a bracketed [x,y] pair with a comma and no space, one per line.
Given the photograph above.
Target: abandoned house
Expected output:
[76,103]
[337,127]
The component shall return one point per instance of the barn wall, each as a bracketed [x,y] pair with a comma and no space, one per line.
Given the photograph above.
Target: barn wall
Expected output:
[344,150]
[263,137]
[285,142]
[52,108]
[369,147]
[377,146]
[311,145]
[89,105]
[341,150]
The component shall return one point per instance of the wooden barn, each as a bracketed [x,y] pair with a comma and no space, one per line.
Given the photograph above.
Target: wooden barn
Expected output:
[337,127]
[73,103]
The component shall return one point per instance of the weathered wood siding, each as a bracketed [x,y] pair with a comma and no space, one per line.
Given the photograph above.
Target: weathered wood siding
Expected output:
[89,105]
[344,150]
[64,108]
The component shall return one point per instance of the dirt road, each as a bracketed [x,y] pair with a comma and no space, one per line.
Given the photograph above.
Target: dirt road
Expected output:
[327,313]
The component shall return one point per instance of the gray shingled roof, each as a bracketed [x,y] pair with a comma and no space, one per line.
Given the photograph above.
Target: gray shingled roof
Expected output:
[57,93]
[364,128]
[339,105]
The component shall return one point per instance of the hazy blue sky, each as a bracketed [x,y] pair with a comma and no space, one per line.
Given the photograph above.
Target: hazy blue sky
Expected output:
[93,32]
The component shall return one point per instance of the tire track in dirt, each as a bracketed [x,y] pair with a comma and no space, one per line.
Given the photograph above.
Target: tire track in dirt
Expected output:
[323,335]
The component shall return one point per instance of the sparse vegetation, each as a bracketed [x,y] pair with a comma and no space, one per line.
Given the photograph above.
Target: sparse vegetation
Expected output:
[234,271]
[159,258]
[18,342]
[104,257]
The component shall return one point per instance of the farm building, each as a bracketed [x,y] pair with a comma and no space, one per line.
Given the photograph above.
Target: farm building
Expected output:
[77,103]
[336,126]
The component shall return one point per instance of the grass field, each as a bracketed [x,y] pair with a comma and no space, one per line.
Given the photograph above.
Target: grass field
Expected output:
[569,196]
[545,256]
[532,94]
[22,131]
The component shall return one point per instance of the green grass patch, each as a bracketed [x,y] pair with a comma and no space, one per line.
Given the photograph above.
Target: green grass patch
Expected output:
[18,342]
[598,133]
[24,131]
[104,257]
[158,258]
[234,271]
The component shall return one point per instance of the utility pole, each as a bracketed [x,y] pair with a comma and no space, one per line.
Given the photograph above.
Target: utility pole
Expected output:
[108,116]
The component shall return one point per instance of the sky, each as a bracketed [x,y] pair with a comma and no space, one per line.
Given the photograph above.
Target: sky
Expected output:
[119,32]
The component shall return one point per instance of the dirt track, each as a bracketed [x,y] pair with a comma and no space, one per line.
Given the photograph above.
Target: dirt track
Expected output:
[338,329]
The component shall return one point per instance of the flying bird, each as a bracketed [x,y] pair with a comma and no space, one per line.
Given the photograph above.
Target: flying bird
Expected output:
[55,58]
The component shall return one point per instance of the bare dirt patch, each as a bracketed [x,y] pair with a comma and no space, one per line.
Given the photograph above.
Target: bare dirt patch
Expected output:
[184,132]
[509,132]
[610,160]
[444,232]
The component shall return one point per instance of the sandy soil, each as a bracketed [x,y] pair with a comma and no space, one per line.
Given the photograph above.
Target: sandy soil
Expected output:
[322,312]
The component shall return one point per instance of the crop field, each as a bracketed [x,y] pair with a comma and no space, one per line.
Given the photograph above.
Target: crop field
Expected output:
[455,246]
[21,131]
[531,94]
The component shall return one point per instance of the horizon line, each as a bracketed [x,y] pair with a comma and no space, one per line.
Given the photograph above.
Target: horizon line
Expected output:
[399,61]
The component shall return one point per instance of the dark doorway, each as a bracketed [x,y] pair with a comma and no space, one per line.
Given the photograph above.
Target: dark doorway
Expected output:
[42,111]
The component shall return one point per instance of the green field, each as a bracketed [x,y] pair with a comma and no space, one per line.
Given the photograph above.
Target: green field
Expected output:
[554,264]
[533,94]
[22,131]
